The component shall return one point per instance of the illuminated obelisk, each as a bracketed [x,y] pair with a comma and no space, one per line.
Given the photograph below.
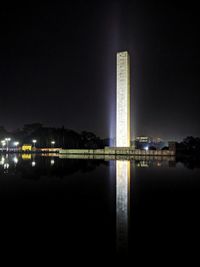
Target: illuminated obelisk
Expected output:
[123,100]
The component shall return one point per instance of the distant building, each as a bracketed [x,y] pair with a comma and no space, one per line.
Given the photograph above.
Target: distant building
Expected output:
[158,143]
[144,139]
[147,142]
[26,147]
[142,142]
[157,140]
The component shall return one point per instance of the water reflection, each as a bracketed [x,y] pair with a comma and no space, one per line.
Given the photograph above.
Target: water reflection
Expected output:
[122,203]
[33,163]
[32,166]
[15,160]
[36,167]
[26,156]
[140,161]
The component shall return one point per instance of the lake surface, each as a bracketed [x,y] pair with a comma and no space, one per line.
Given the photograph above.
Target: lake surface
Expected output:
[145,209]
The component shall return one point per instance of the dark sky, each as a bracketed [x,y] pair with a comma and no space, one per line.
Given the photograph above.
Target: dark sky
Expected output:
[57,65]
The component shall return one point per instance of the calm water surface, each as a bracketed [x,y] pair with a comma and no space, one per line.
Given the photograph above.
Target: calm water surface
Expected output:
[146,209]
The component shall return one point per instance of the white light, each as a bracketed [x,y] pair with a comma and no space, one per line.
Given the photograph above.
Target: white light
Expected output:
[2,161]
[15,159]
[8,139]
[3,142]
[34,141]
[33,163]
[53,142]
[52,162]
[146,148]
[6,166]
[16,143]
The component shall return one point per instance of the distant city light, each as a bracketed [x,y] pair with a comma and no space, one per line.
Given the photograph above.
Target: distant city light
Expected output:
[34,142]
[146,148]
[52,143]
[16,143]
[52,162]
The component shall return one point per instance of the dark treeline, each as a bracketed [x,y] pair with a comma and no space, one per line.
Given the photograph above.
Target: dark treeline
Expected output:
[67,138]
[63,137]
[189,146]
[188,152]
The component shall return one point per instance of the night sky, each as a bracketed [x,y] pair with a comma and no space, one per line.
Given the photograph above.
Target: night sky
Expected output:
[57,66]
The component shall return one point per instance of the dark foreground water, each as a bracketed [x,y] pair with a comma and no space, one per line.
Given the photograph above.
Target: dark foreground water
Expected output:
[147,210]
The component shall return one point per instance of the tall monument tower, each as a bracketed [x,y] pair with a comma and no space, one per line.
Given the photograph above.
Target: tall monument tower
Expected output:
[123,100]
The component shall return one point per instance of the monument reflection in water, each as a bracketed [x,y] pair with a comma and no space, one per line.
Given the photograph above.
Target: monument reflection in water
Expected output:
[122,203]
[44,168]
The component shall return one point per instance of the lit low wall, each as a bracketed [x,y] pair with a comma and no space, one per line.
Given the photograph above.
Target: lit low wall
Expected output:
[117,151]
[82,151]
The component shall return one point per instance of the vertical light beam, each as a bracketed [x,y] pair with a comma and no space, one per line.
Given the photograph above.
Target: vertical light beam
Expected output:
[123,100]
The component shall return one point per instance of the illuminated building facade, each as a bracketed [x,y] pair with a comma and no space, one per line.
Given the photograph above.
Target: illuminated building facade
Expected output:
[26,147]
[145,141]
[123,100]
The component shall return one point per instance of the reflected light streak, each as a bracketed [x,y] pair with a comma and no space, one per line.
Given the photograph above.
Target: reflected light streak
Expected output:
[15,160]
[33,163]
[122,203]
[6,165]
[26,156]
